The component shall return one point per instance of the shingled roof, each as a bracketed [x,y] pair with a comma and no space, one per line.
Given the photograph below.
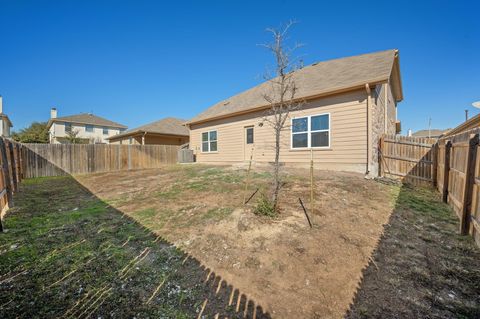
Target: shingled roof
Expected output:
[86,118]
[316,79]
[167,126]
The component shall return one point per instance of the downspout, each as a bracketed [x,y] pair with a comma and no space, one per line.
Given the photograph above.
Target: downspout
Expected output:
[385,111]
[369,127]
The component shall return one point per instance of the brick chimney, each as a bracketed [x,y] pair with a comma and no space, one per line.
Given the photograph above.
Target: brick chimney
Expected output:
[53,113]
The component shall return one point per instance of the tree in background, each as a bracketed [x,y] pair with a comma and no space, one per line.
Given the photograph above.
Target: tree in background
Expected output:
[281,95]
[72,137]
[37,132]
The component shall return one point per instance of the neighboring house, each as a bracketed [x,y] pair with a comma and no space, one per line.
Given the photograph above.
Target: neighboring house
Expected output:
[5,123]
[349,103]
[432,133]
[469,124]
[168,131]
[91,128]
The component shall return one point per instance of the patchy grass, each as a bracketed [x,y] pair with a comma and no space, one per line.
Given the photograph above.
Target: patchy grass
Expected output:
[67,253]
[67,250]
[423,268]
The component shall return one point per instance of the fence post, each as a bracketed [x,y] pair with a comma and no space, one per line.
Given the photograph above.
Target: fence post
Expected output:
[446,171]
[13,164]
[469,181]
[6,172]
[435,164]
[381,147]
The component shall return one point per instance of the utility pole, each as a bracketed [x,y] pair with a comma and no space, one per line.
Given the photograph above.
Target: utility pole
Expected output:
[429,127]
[466,115]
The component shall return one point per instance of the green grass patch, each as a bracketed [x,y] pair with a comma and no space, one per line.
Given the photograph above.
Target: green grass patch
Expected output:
[63,245]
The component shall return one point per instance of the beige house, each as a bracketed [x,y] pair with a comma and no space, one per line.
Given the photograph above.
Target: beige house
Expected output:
[5,123]
[89,128]
[471,123]
[349,103]
[167,131]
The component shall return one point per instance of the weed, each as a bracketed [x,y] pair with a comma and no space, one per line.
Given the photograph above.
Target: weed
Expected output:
[265,207]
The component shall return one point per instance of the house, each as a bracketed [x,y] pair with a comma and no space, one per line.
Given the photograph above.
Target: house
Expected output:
[349,103]
[167,131]
[89,128]
[471,123]
[5,123]
[432,133]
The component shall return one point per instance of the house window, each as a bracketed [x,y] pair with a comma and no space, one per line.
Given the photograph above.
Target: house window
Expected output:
[88,128]
[105,131]
[249,133]
[311,131]
[68,127]
[209,141]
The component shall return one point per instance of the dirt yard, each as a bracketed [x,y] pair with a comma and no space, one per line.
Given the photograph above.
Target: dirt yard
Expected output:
[281,264]
[178,243]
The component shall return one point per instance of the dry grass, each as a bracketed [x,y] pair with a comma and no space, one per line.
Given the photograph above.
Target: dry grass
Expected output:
[279,262]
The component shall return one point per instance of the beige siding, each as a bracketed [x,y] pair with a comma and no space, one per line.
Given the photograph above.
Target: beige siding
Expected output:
[348,131]
[58,130]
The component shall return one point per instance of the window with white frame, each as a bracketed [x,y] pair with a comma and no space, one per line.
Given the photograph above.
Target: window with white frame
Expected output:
[209,141]
[105,131]
[88,128]
[311,131]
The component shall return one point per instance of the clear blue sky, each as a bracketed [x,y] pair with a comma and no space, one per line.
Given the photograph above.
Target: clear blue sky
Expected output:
[138,61]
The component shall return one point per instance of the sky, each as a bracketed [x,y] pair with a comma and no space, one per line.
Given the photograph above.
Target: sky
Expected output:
[135,62]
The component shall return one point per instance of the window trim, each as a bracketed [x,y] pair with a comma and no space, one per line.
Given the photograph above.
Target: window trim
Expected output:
[309,132]
[246,128]
[105,129]
[209,141]
[89,125]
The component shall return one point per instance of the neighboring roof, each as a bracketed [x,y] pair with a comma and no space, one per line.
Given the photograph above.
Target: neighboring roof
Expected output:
[3,115]
[433,133]
[167,126]
[86,118]
[318,79]
[467,125]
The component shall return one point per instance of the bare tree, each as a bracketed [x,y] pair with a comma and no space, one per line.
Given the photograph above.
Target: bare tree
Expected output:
[72,136]
[281,96]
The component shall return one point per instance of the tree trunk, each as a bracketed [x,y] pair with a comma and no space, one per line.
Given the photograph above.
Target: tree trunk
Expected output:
[276,173]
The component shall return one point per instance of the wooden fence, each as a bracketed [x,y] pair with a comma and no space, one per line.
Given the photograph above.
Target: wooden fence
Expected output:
[409,159]
[451,164]
[11,174]
[459,160]
[40,160]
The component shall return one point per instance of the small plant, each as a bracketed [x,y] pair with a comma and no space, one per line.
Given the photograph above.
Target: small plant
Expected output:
[265,207]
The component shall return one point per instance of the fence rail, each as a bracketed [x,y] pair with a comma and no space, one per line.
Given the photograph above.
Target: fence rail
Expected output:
[40,160]
[451,164]
[11,174]
[409,159]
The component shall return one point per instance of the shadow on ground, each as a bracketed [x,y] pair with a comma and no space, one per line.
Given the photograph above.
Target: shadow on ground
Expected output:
[421,268]
[68,254]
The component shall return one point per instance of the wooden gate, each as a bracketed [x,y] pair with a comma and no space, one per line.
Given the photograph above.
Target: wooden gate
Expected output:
[410,159]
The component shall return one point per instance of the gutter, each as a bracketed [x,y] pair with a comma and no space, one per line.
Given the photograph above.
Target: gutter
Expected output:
[369,127]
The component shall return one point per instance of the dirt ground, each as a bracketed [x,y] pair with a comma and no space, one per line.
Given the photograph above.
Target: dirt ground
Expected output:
[177,243]
[68,254]
[292,271]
